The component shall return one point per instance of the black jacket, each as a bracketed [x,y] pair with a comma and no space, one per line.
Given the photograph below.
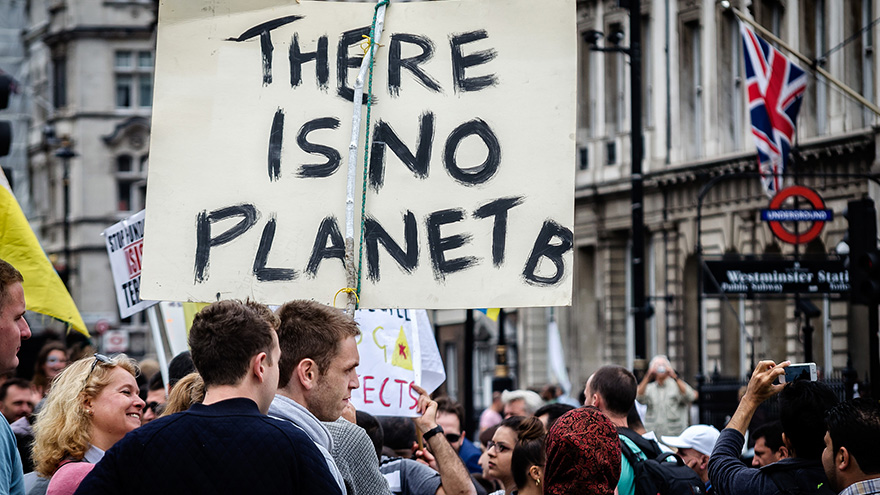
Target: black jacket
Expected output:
[224,448]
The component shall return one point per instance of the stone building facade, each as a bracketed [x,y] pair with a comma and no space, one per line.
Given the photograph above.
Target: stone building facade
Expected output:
[90,71]
[696,128]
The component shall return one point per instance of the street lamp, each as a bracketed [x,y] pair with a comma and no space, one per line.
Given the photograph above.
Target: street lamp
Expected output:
[640,308]
[65,152]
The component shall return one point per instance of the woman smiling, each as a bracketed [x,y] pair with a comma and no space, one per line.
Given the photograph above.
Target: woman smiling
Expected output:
[92,404]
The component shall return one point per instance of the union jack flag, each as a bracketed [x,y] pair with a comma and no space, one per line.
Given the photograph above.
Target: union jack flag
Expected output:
[775,87]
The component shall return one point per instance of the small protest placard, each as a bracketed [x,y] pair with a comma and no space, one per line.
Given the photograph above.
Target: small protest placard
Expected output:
[470,176]
[125,246]
[397,348]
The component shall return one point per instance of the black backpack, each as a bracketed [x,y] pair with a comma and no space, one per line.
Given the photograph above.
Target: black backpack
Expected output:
[785,479]
[666,474]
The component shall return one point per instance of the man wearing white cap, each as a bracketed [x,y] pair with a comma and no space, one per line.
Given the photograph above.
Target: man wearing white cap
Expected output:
[695,446]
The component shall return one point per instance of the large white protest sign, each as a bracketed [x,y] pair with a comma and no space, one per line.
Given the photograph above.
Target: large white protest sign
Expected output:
[397,348]
[125,246]
[470,174]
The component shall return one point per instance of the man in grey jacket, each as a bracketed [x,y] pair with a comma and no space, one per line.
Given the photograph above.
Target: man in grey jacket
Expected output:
[318,360]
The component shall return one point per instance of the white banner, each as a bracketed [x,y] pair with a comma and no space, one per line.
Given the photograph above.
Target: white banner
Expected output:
[125,246]
[556,357]
[470,178]
[397,348]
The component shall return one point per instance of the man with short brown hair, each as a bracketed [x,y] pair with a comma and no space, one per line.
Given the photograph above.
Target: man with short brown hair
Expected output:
[319,357]
[225,444]
[13,329]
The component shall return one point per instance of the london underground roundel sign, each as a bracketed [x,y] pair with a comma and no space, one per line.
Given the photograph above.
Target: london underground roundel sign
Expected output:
[817,216]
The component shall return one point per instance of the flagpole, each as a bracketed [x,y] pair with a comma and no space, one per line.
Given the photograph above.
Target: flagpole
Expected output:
[357,103]
[811,63]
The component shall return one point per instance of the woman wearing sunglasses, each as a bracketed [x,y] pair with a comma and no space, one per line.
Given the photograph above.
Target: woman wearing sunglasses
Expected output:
[500,449]
[93,403]
[51,359]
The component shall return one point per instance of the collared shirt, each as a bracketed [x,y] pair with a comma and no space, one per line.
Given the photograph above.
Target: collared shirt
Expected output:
[867,487]
[93,455]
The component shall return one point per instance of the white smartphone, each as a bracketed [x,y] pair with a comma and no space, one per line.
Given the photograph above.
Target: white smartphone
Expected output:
[799,371]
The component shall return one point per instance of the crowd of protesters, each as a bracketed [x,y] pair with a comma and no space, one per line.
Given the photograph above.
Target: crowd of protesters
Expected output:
[260,403]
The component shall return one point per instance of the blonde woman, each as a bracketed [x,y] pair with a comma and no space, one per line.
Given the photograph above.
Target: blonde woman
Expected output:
[92,404]
[187,391]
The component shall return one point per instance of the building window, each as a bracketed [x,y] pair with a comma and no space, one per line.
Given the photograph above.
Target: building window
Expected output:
[131,183]
[614,86]
[770,14]
[134,79]
[857,60]
[585,93]
[867,50]
[59,87]
[731,82]
[691,89]
[450,352]
[647,79]
[813,45]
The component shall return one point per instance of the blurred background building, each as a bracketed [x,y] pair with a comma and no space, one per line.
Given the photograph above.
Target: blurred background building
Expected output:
[88,71]
[80,158]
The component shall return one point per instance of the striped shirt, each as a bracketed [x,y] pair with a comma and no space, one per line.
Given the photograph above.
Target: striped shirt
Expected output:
[867,487]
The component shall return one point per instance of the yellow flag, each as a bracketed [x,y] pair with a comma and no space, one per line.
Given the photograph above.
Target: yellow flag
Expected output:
[492,313]
[189,312]
[43,290]
[402,355]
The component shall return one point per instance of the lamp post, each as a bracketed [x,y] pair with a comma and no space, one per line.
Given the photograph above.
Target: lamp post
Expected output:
[640,309]
[65,153]
[502,380]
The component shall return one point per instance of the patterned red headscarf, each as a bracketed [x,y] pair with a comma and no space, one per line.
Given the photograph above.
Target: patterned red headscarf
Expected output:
[583,454]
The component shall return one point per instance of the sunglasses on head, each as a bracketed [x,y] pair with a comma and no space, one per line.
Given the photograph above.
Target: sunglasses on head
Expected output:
[99,358]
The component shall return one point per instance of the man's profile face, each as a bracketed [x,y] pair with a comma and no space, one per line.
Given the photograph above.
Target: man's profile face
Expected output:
[333,390]
[13,327]
[828,462]
[451,426]
[19,402]
[763,454]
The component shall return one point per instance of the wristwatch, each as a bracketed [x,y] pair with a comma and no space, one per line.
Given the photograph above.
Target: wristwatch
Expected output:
[433,431]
